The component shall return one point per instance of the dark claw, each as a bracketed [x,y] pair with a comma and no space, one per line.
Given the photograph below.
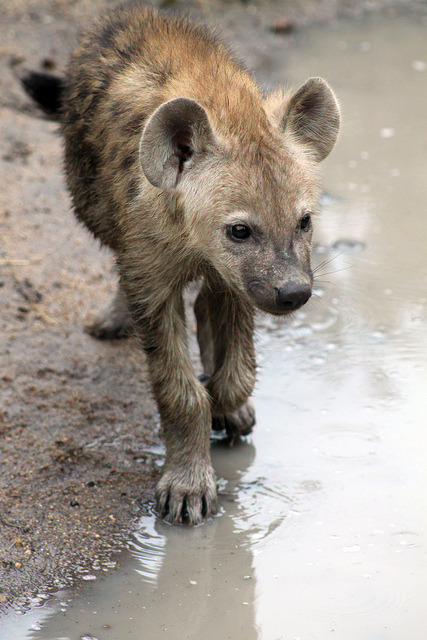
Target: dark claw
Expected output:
[165,509]
[184,513]
[218,423]
[204,507]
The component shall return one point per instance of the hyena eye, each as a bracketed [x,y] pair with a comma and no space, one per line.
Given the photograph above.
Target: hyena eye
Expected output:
[305,222]
[239,232]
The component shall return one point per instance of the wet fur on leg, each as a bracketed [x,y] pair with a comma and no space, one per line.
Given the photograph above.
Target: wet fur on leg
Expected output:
[214,309]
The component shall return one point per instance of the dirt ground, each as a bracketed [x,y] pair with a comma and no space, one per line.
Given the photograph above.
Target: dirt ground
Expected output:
[78,426]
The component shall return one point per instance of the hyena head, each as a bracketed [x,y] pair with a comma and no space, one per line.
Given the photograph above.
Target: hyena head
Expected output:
[248,199]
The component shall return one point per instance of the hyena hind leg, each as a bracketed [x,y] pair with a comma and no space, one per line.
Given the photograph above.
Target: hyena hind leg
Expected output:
[239,422]
[114,322]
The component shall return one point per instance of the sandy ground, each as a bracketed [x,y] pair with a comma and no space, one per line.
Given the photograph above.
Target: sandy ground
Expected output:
[77,420]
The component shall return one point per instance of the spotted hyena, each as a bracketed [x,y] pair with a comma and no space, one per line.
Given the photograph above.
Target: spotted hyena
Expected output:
[177,161]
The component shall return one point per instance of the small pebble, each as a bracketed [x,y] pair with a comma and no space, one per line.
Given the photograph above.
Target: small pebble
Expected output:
[387,132]
[283,26]
[418,65]
[16,59]
[49,63]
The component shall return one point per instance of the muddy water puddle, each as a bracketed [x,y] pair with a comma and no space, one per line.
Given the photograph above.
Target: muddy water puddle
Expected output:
[324,510]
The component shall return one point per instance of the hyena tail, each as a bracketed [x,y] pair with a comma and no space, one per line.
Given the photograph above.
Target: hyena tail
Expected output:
[46,89]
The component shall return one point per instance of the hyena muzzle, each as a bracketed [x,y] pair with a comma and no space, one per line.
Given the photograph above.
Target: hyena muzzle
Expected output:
[178,162]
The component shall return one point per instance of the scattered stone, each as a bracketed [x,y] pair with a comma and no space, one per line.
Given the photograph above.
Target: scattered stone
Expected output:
[27,290]
[283,26]
[16,59]
[49,63]
[18,150]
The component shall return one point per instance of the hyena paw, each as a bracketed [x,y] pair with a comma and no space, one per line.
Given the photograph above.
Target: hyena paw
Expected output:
[187,495]
[110,327]
[238,423]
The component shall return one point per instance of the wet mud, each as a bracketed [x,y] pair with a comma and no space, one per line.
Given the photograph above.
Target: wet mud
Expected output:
[325,506]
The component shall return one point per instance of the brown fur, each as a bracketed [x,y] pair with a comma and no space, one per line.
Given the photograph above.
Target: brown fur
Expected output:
[169,144]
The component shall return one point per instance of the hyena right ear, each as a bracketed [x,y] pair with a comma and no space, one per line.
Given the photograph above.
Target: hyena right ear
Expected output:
[174,135]
[310,116]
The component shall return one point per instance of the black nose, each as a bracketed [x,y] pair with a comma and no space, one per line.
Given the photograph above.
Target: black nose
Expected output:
[292,295]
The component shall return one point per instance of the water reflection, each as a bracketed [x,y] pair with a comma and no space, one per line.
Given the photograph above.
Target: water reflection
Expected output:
[177,582]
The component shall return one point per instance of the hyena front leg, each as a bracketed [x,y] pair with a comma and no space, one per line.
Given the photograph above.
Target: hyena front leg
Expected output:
[186,491]
[225,337]
[115,321]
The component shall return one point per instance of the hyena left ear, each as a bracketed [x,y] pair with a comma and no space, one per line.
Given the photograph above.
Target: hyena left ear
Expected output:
[173,138]
[311,116]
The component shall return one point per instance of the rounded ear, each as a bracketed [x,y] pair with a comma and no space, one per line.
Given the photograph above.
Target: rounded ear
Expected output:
[312,118]
[173,139]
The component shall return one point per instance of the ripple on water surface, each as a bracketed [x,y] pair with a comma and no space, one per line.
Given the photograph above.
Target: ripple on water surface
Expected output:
[346,444]
[148,547]
[350,596]
[264,506]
